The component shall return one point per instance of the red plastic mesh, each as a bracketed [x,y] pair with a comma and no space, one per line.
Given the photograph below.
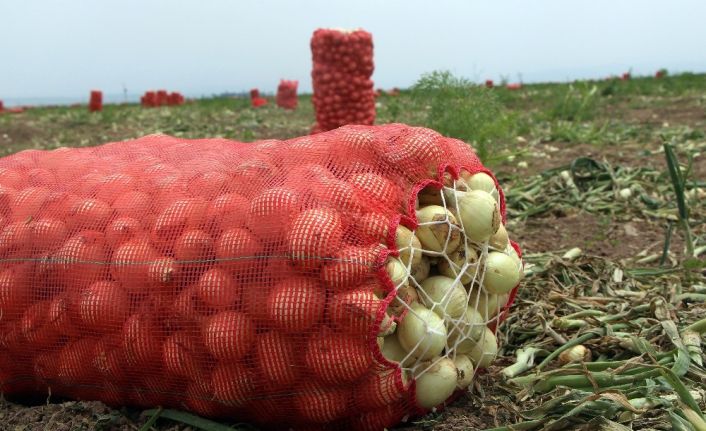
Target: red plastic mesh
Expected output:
[205,274]
[287,94]
[343,90]
[2,106]
[95,103]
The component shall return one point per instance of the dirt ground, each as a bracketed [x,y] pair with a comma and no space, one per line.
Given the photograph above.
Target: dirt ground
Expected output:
[604,235]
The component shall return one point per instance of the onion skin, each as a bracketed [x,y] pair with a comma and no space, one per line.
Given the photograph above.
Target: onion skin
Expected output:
[436,384]
[501,274]
[465,371]
[413,328]
[499,241]
[436,297]
[433,236]
[480,215]
[484,352]
[459,257]
[409,246]
[470,328]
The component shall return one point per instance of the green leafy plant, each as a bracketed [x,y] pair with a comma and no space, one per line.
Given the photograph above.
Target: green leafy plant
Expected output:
[577,104]
[458,108]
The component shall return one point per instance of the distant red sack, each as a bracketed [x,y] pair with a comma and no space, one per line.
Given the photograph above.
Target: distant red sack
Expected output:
[254,93]
[343,66]
[287,94]
[258,101]
[95,103]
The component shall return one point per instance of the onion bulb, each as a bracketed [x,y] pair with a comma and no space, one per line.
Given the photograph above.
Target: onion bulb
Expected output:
[421,271]
[464,332]
[451,267]
[429,196]
[501,273]
[483,352]
[409,246]
[422,333]
[433,236]
[444,296]
[481,181]
[436,384]
[480,215]
[393,351]
[499,240]
[397,272]
[406,295]
[510,251]
[464,371]
[578,353]
[488,304]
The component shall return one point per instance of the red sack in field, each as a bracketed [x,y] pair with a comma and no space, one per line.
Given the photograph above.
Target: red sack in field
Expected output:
[254,93]
[258,101]
[343,66]
[2,106]
[489,83]
[95,103]
[247,281]
[175,98]
[287,94]
[150,99]
[162,97]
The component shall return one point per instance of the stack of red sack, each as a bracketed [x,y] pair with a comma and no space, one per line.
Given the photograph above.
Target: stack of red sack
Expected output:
[343,90]
[152,99]
[287,94]
[255,100]
[96,102]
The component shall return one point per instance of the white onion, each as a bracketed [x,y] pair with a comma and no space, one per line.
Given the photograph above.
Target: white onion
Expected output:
[397,271]
[405,241]
[433,236]
[464,371]
[459,258]
[499,240]
[485,350]
[483,181]
[437,384]
[421,272]
[501,273]
[464,333]
[422,332]
[392,351]
[578,353]
[488,304]
[480,215]
[444,296]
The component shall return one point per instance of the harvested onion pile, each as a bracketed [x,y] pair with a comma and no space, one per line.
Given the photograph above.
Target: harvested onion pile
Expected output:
[327,281]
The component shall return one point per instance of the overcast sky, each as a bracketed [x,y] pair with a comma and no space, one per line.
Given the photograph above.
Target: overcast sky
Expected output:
[64,48]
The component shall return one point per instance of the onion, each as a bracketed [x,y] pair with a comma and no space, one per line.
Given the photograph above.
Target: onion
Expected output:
[578,353]
[375,188]
[121,230]
[355,312]
[433,236]
[350,266]
[464,368]
[194,247]
[422,333]
[47,233]
[499,240]
[480,215]
[381,340]
[183,355]
[237,249]
[487,304]
[501,274]
[409,246]
[229,335]
[270,213]
[444,296]
[464,332]
[421,272]
[393,351]
[295,304]
[15,291]
[380,389]
[483,181]
[397,272]
[217,288]
[510,251]
[405,296]
[233,384]
[485,350]
[92,214]
[104,306]
[372,227]
[131,265]
[142,341]
[435,385]
[321,403]
[336,358]
[314,236]
[452,265]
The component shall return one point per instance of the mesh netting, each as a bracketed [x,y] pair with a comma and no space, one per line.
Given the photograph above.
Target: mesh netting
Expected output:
[343,90]
[287,94]
[275,282]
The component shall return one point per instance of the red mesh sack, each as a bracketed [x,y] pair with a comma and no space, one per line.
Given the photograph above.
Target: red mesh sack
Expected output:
[287,94]
[275,282]
[258,101]
[95,103]
[162,98]
[343,90]
[2,106]
[254,93]
[175,98]
[149,99]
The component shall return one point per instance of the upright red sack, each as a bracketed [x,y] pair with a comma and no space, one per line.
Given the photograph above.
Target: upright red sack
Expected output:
[287,94]
[274,282]
[95,103]
[2,106]
[162,97]
[343,66]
